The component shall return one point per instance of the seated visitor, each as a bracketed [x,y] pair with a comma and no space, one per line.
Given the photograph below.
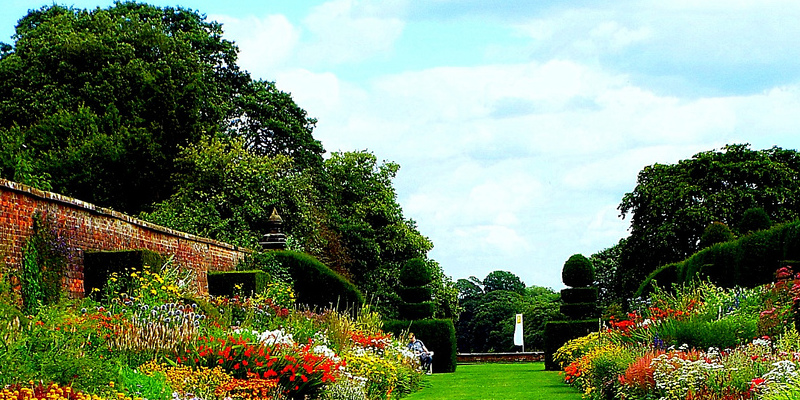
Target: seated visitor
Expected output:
[425,355]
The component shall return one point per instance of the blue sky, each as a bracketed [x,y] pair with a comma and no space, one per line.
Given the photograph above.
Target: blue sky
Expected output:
[519,125]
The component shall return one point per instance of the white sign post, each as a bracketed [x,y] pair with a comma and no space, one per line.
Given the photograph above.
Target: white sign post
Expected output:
[518,339]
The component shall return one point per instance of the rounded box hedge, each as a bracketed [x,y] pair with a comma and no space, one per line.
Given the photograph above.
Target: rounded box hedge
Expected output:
[439,336]
[316,285]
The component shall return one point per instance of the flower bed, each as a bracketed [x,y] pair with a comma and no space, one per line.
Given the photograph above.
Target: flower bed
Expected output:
[699,342]
[157,341]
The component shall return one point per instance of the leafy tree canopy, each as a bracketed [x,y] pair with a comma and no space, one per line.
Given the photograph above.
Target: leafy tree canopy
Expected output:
[503,280]
[672,204]
[97,104]
[488,307]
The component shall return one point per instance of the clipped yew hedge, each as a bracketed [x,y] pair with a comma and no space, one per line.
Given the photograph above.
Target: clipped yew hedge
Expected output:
[316,285]
[439,336]
[557,333]
[579,295]
[749,261]
[250,283]
[579,311]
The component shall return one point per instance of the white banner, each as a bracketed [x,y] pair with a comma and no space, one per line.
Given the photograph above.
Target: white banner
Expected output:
[518,340]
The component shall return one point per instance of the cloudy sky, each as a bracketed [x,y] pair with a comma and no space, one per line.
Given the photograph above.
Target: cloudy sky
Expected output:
[519,125]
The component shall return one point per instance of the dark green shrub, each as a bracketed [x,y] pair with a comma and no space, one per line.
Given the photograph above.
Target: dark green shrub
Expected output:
[439,336]
[716,232]
[748,261]
[415,294]
[754,219]
[265,261]
[578,271]
[232,283]
[556,333]
[99,265]
[417,310]
[579,310]
[416,272]
[579,295]
[316,285]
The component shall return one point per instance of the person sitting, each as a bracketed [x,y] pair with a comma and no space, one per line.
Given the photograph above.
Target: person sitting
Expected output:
[425,355]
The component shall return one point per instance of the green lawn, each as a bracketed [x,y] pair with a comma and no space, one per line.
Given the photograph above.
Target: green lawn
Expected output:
[496,381]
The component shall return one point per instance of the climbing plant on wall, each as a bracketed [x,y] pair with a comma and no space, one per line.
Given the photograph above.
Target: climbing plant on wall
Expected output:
[44,264]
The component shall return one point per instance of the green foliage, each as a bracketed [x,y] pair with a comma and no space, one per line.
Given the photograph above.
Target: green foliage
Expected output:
[698,333]
[556,333]
[317,285]
[754,219]
[579,295]
[503,280]
[444,294]
[439,336]
[367,239]
[227,193]
[487,320]
[415,294]
[578,271]
[672,204]
[748,261]
[43,266]
[265,261]
[98,266]
[579,311]
[415,272]
[231,283]
[716,232]
[91,92]
[151,387]
[416,311]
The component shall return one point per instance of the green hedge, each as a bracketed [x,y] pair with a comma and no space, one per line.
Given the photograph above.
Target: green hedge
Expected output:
[223,283]
[99,265]
[415,294]
[578,271]
[579,310]
[316,285]
[556,333]
[416,272]
[439,336]
[748,261]
[417,310]
[579,295]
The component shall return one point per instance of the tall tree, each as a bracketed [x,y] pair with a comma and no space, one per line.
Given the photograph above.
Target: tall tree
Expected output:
[98,103]
[227,193]
[503,280]
[488,307]
[672,204]
[373,238]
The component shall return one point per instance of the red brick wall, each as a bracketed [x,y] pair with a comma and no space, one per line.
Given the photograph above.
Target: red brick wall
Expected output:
[85,227]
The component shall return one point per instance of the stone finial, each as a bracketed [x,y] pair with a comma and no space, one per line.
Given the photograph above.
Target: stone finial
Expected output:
[274,239]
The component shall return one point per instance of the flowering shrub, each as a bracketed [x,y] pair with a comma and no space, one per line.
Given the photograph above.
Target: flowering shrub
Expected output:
[187,381]
[153,339]
[646,355]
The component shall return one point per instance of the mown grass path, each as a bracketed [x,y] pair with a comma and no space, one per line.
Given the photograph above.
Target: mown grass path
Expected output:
[528,381]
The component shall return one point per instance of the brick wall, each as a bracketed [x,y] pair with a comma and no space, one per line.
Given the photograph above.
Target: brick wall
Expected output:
[85,226]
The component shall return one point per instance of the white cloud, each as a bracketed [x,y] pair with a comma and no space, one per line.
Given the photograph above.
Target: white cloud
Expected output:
[349,31]
[265,44]
[518,166]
